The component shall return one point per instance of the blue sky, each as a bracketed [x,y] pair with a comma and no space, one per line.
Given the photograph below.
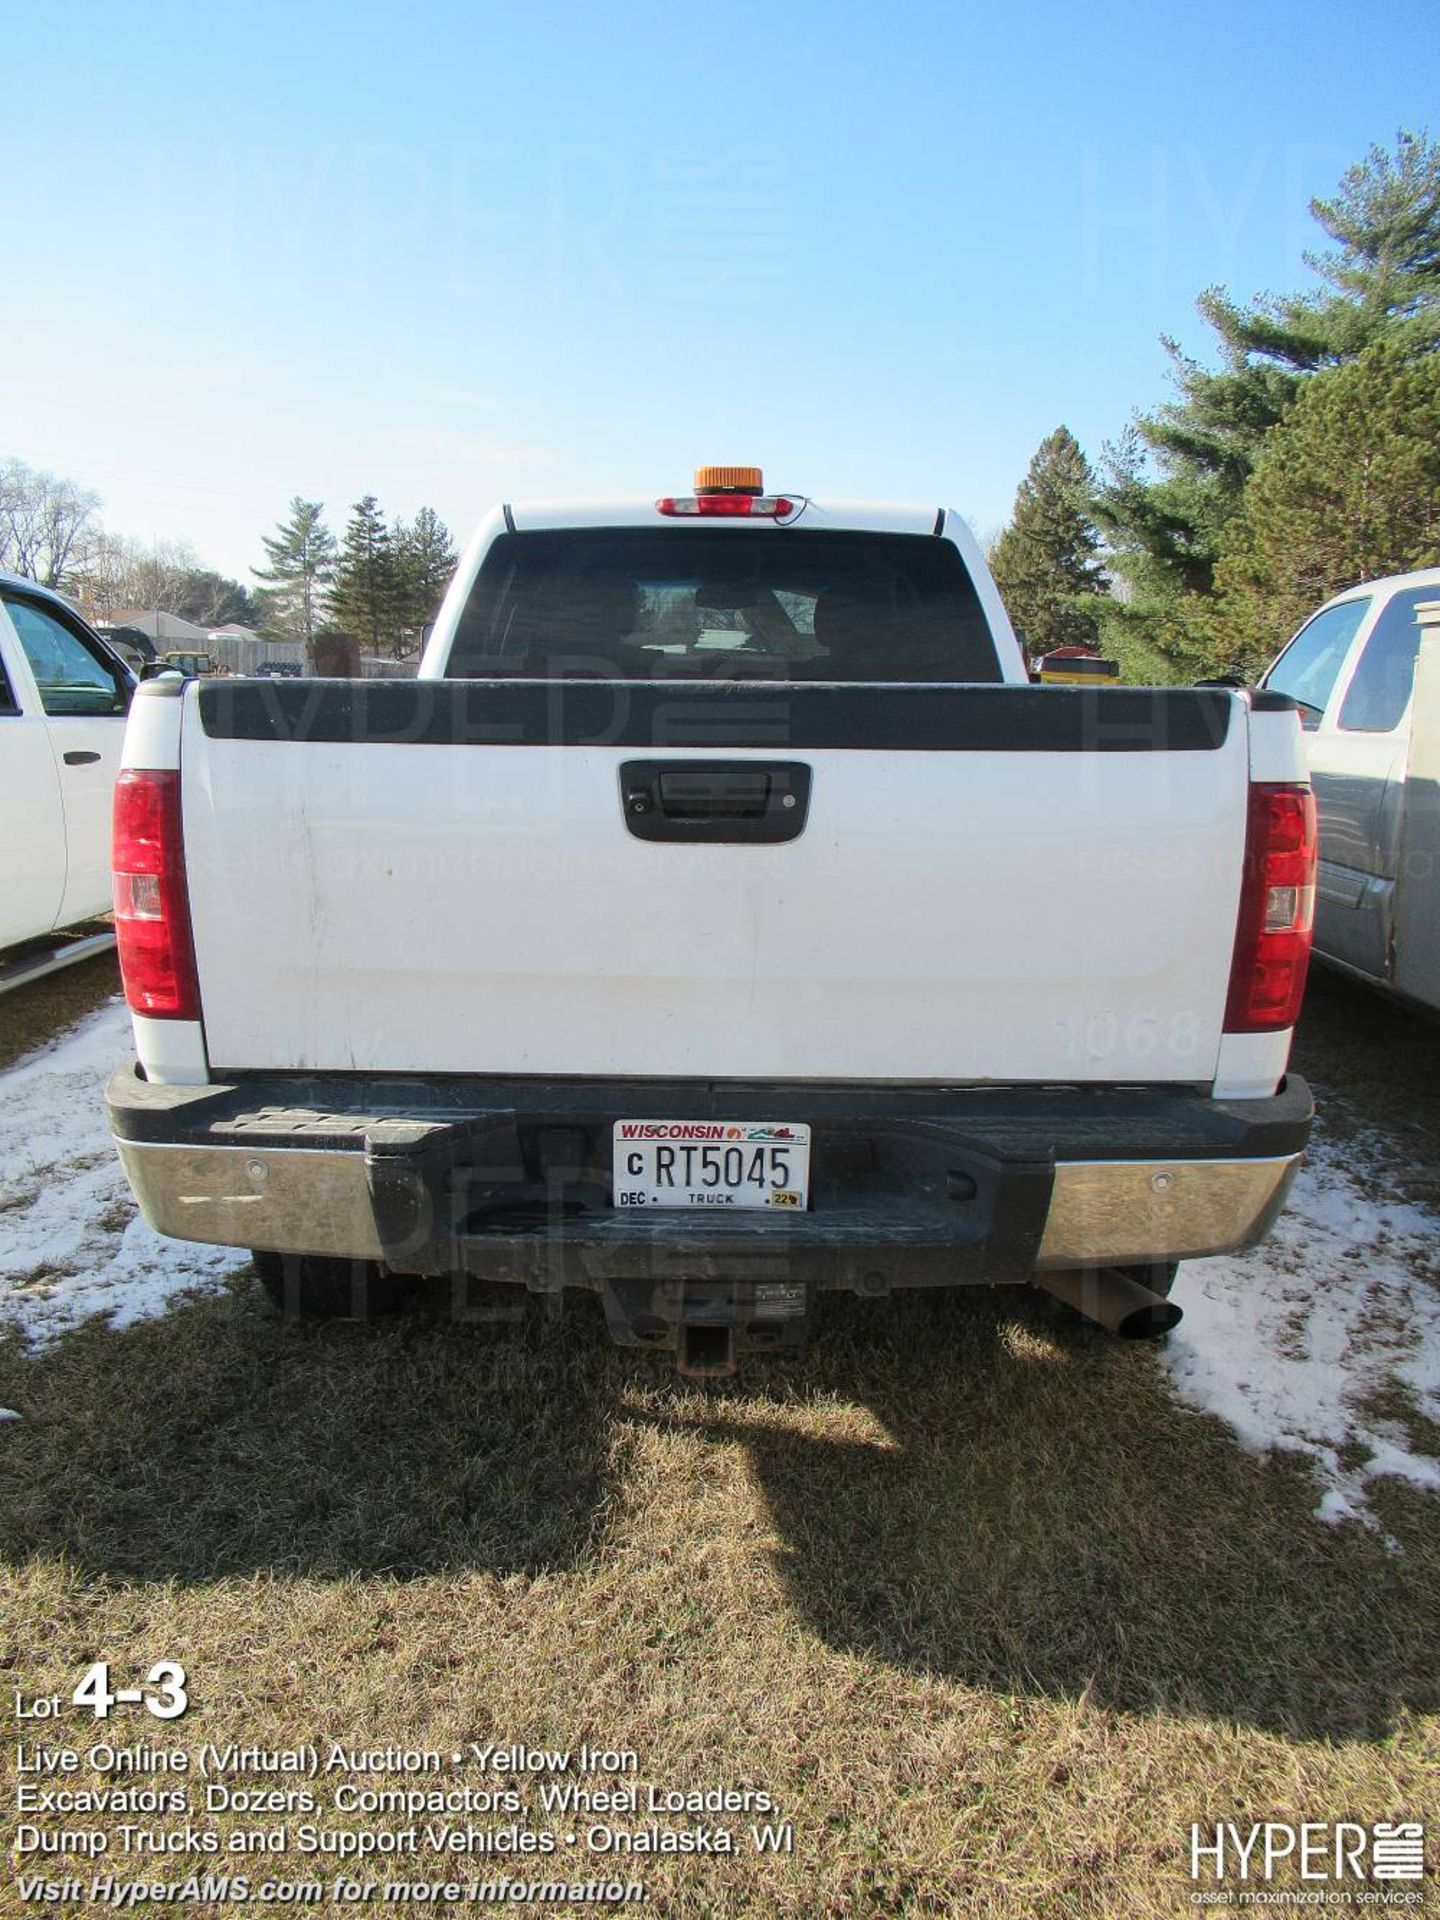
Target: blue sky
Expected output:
[449,254]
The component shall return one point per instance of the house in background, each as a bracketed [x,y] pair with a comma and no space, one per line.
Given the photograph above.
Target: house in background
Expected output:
[166,632]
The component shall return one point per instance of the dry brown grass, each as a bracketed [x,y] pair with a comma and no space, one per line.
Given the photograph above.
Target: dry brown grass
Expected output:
[962,1586]
[42,1010]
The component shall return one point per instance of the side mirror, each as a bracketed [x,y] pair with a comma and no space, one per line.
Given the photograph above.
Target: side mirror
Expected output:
[160,670]
[1230,680]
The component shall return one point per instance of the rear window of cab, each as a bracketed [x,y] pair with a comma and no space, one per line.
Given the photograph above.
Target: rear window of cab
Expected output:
[670,602]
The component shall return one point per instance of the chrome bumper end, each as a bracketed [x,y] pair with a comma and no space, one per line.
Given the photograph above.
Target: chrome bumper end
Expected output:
[271,1199]
[1133,1212]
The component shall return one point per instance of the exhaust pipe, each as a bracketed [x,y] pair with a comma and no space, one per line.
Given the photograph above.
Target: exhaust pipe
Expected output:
[1113,1300]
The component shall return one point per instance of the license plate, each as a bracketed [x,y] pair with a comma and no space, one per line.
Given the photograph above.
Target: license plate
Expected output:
[711,1163]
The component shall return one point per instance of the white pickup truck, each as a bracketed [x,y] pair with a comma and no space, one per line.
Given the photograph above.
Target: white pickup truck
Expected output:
[719,918]
[63,699]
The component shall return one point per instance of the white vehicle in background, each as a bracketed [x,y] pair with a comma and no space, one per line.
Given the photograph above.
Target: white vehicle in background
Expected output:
[64,696]
[720,918]
[1365,672]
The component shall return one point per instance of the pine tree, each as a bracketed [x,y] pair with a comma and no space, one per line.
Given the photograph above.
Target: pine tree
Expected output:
[1385,271]
[1382,277]
[364,600]
[1045,561]
[424,561]
[1174,482]
[1347,489]
[302,564]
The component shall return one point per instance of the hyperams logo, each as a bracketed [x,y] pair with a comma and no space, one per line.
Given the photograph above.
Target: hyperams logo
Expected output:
[1317,1850]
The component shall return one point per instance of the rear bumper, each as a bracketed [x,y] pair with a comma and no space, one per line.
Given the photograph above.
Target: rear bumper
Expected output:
[510,1180]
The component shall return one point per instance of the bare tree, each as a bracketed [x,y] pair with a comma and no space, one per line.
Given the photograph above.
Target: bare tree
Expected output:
[116,574]
[103,568]
[160,574]
[42,519]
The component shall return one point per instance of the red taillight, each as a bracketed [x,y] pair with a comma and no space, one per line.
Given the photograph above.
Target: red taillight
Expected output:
[1277,910]
[152,913]
[760,506]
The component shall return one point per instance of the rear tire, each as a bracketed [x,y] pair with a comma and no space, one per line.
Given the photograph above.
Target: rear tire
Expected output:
[308,1286]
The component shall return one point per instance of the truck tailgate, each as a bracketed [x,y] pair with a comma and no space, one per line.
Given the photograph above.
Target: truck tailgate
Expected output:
[990,883]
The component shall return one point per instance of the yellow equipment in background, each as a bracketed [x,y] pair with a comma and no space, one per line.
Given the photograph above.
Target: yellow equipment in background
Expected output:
[1073,667]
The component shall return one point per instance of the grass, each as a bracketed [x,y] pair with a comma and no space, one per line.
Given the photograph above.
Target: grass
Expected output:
[48,1005]
[991,1617]
[1396,1402]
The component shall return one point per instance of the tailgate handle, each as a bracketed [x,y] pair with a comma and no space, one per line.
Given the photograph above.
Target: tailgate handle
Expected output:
[715,800]
[742,794]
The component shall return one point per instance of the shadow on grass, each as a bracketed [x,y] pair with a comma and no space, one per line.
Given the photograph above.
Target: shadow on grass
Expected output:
[1047,1520]
[219,1440]
[1042,1517]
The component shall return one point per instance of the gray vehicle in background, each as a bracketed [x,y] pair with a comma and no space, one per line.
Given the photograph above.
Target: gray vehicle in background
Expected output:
[1366,672]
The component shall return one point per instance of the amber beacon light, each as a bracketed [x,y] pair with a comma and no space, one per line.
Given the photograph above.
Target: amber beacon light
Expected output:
[732,491]
[729,480]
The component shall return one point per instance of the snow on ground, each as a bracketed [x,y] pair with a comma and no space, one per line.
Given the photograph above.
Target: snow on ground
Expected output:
[1339,1307]
[1288,1344]
[71,1241]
